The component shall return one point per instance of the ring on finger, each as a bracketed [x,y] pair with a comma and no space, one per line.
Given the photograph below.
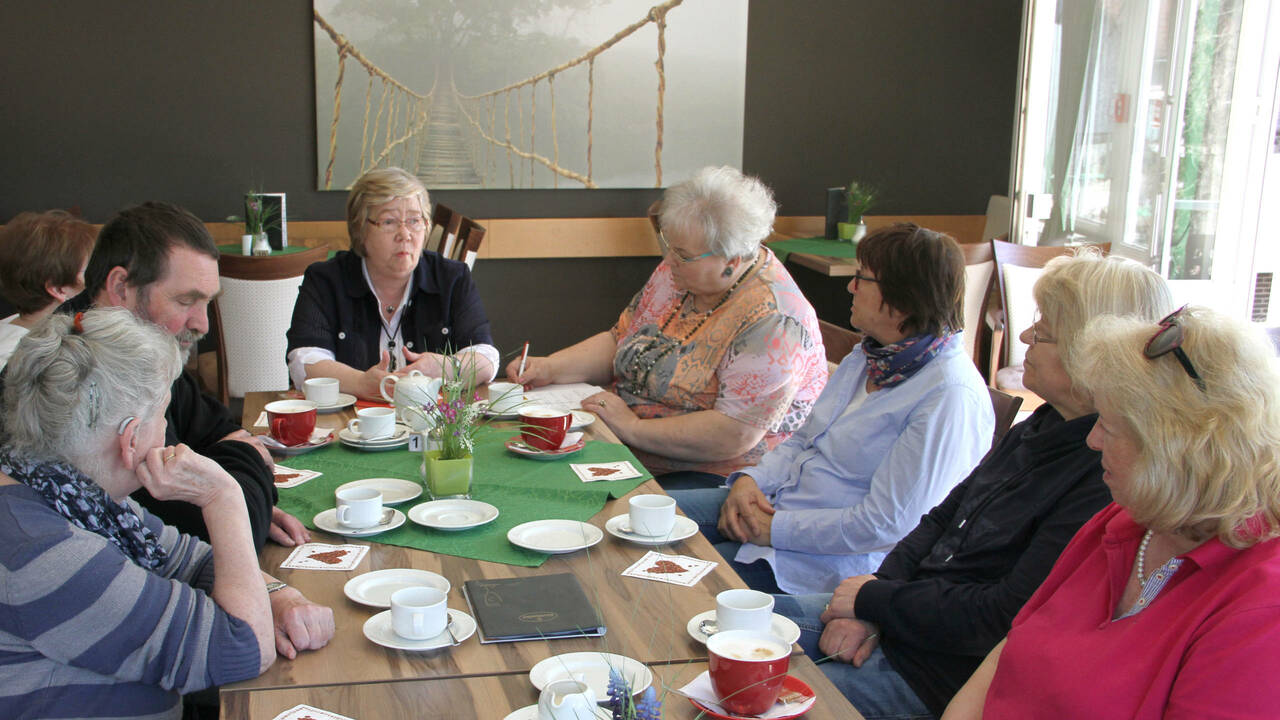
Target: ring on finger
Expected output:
[601,403]
[170,456]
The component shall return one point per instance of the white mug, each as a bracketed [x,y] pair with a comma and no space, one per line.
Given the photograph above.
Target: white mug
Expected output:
[359,507]
[744,610]
[321,391]
[567,699]
[652,515]
[373,423]
[419,613]
[505,397]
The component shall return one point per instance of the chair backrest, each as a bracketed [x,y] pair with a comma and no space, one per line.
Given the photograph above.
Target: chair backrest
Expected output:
[251,316]
[1017,269]
[838,341]
[454,235]
[1006,409]
[979,269]
[999,217]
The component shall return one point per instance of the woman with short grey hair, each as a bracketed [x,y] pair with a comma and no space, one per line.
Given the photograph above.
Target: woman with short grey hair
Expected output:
[105,608]
[718,358]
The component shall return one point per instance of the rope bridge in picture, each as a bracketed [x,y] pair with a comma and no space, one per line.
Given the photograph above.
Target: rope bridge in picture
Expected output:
[419,132]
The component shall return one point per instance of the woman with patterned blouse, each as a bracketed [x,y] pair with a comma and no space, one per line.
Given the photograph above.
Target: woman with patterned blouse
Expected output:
[718,358]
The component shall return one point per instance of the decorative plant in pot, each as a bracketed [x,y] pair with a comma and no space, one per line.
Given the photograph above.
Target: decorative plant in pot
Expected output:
[858,199]
[259,217]
[453,421]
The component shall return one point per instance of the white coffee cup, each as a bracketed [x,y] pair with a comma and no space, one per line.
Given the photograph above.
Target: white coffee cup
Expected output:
[321,391]
[744,610]
[419,613]
[567,699]
[359,507]
[505,397]
[373,423]
[652,515]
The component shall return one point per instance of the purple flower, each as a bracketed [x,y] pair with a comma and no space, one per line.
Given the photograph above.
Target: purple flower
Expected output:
[649,708]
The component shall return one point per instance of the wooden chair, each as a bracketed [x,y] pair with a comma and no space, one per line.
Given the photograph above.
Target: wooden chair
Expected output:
[979,271]
[1017,269]
[454,235]
[251,316]
[838,342]
[1006,408]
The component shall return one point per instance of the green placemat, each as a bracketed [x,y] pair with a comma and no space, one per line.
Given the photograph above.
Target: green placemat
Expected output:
[813,246]
[521,489]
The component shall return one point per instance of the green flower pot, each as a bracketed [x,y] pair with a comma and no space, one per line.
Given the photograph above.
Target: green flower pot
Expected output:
[852,232]
[446,478]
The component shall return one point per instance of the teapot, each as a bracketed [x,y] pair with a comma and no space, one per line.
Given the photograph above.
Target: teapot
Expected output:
[411,393]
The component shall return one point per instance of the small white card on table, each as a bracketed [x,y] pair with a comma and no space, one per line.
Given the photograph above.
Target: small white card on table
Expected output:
[306,712]
[674,569]
[287,477]
[319,556]
[591,472]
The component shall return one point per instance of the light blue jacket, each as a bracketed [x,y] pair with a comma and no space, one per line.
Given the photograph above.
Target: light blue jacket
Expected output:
[847,487]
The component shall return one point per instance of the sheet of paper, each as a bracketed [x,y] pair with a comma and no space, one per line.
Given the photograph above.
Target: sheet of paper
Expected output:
[307,712]
[562,397]
[592,472]
[319,556]
[293,477]
[674,569]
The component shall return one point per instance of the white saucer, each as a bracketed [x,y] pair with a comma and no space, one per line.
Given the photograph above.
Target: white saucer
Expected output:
[782,626]
[530,712]
[378,630]
[581,419]
[327,520]
[555,536]
[398,438]
[394,490]
[374,588]
[291,450]
[453,514]
[344,401]
[594,668]
[520,447]
[619,526]
[484,410]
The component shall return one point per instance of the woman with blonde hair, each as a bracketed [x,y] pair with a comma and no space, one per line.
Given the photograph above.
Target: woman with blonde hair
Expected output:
[1165,603]
[386,306]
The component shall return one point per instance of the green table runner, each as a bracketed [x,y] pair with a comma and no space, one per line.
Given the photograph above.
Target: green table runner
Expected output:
[813,246]
[521,488]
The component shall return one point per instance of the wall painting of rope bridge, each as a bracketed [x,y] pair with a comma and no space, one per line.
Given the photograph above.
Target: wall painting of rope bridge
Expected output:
[509,94]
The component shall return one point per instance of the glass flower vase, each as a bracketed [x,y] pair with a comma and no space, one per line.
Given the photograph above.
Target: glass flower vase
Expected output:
[446,478]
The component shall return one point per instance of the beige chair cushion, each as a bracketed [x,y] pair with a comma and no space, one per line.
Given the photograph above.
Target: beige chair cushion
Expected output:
[1020,306]
[255,317]
[976,278]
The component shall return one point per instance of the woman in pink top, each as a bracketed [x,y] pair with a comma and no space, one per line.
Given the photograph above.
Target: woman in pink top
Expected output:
[718,358]
[1167,603]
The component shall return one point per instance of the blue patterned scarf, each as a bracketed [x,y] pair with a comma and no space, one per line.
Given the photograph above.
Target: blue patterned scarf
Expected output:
[83,502]
[889,365]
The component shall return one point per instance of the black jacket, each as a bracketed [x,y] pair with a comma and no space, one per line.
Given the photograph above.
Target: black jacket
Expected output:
[337,311]
[201,422]
[948,592]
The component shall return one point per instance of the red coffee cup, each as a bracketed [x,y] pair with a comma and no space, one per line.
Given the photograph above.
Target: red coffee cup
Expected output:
[544,428]
[747,669]
[291,421]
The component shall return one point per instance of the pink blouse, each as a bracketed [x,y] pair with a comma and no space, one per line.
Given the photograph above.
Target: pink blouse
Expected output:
[758,358]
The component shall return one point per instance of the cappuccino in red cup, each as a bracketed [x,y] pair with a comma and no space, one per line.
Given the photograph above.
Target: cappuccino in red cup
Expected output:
[544,428]
[747,669]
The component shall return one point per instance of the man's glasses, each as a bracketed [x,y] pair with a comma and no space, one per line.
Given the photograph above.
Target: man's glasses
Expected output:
[666,250]
[415,224]
[1168,339]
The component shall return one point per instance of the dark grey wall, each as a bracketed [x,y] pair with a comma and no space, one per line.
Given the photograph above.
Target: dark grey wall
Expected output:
[112,103]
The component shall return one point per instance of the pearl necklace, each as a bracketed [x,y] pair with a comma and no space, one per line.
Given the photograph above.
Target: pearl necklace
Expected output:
[1141,564]
[640,369]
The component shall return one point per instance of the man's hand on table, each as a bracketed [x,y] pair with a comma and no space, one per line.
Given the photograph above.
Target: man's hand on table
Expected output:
[286,529]
[849,640]
[245,436]
[747,515]
[300,624]
[845,598]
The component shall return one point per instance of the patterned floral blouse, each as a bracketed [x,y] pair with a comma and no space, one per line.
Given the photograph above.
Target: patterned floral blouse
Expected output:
[758,358]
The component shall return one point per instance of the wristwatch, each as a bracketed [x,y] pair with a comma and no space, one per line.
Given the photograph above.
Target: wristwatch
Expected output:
[275,585]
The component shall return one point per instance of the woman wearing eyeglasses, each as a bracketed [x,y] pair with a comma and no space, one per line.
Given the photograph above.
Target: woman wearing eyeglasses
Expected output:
[386,306]
[1164,605]
[718,358]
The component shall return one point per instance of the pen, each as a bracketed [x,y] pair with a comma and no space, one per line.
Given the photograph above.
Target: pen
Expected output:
[523,357]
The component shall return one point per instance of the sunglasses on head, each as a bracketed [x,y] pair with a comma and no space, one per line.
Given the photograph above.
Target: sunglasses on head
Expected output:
[1168,339]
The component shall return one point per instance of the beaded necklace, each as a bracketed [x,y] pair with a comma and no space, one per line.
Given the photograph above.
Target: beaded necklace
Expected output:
[641,368]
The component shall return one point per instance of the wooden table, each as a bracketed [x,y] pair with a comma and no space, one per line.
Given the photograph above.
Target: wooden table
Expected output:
[491,697]
[646,619]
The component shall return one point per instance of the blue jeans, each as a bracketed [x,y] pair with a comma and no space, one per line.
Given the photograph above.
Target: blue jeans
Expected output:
[702,505]
[875,689]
